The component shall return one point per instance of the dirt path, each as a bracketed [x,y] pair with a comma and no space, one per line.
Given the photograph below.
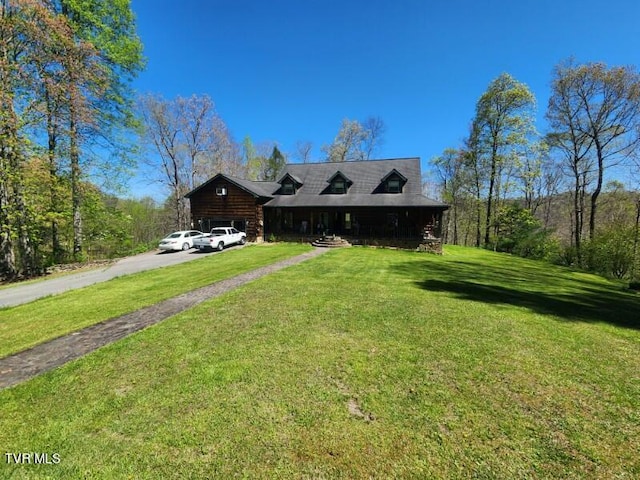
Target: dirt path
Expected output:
[24,365]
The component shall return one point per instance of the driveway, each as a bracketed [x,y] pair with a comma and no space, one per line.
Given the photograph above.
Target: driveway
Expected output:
[21,366]
[20,294]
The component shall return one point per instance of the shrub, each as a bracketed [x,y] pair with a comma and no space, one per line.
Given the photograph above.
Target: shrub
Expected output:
[610,253]
[520,233]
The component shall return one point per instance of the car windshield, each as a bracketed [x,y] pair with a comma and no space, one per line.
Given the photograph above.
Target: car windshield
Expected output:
[175,235]
[219,231]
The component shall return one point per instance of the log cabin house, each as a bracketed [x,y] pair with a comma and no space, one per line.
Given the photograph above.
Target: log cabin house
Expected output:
[369,201]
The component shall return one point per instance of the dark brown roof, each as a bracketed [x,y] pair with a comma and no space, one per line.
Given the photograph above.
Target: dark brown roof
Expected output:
[257,189]
[366,177]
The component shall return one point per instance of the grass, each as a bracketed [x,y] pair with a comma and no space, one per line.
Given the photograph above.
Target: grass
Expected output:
[27,325]
[360,363]
[53,273]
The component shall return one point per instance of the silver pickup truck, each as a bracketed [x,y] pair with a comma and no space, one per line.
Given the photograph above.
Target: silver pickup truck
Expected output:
[219,238]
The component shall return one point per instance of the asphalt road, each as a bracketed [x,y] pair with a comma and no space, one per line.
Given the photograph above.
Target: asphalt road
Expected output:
[20,294]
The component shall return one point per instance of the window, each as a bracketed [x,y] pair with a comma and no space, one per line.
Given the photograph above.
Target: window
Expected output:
[347,221]
[221,191]
[393,185]
[289,185]
[288,188]
[338,186]
[392,182]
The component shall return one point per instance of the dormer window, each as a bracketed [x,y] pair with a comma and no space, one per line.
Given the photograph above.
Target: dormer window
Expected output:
[288,188]
[338,184]
[289,185]
[393,182]
[393,185]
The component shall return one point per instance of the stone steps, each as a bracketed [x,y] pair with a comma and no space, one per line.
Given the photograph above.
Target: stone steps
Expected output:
[330,241]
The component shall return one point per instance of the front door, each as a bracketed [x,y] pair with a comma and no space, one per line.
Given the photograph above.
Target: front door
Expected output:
[323,223]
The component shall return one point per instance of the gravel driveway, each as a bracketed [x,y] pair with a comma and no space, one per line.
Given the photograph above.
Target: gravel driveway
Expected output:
[20,294]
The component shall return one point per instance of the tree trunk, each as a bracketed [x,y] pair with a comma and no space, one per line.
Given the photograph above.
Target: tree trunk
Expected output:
[7,254]
[455,222]
[492,182]
[28,262]
[74,157]
[577,215]
[597,190]
[56,247]
[636,240]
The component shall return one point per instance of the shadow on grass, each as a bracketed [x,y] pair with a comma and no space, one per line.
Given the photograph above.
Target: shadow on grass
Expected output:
[541,288]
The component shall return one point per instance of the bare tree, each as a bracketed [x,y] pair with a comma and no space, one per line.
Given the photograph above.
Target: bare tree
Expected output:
[191,143]
[450,168]
[303,150]
[602,106]
[355,140]
[346,145]
[162,131]
[375,129]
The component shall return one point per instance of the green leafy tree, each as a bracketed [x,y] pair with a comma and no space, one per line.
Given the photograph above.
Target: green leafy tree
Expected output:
[28,32]
[275,164]
[520,233]
[100,100]
[503,126]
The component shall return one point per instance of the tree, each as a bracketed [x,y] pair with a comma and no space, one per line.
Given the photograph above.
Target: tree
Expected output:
[356,141]
[275,163]
[99,101]
[450,167]
[162,130]
[303,151]
[602,106]
[249,158]
[65,67]
[374,128]
[574,145]
[475,164]
[503,125]
[29,32]
[191,143]
[519,232]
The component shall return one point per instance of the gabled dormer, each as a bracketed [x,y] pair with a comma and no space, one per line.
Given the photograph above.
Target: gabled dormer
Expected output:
[289,185]
[339,184]
[393,182]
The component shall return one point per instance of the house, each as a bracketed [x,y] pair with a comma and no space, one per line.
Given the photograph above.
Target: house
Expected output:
[368,200]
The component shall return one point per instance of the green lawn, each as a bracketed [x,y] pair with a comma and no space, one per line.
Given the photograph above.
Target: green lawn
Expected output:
[361,363]
[26,325]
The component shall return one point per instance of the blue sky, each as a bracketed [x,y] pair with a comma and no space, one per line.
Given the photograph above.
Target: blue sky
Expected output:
[292,70]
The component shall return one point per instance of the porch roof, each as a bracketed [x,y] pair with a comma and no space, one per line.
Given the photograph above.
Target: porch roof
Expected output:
[353,200]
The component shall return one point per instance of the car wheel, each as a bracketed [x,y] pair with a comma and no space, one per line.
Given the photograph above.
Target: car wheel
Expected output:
[243,240]
[220,246]
[185,246]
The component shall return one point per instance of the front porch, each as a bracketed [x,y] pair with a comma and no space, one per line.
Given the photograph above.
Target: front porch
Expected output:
[386,226]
